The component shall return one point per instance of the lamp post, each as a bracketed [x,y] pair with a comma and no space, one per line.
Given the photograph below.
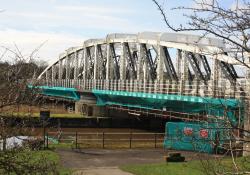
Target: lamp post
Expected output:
[44,117]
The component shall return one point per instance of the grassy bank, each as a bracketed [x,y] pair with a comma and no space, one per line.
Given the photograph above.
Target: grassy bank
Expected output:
[30,162]
[192,167]
[54,157]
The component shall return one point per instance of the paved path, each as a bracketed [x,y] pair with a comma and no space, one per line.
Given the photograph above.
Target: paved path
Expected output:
[106,162]
[108,158]
[101,171]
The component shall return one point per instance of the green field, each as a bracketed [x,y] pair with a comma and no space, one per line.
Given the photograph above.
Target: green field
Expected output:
[196,167]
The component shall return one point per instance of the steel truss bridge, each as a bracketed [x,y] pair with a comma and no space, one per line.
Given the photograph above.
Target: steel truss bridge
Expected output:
[149,70]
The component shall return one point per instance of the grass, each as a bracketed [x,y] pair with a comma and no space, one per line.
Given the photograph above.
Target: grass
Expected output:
[66,116]
[98,145]
[192,167]
[61,145]
[164,169]
[37,115]
[21,159]
[51,156]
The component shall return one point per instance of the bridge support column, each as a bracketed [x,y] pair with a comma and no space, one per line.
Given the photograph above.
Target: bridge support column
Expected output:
[107,66]
[150,84]
[60,69]
[160,63]
[145,77]
[96,67]
[124,84]
[178,63]
[214,78]
[136,85]
[53,76]
[197,77]
[139,67]
[76,63]
[87,107]
[89,110]
[184,71]
[139,63]
[123,62]
[156,86]
[78,107]
[95,62]
[177,87]
[48,74]
[67,66]
[197,87]
[85,67]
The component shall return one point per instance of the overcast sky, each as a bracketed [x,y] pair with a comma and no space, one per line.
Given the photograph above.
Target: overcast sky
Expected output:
[66,23]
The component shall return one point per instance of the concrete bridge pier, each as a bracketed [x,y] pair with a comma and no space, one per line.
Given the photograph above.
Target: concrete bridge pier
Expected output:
[87,106]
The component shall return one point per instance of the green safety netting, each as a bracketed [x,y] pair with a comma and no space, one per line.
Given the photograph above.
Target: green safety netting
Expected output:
[200,137]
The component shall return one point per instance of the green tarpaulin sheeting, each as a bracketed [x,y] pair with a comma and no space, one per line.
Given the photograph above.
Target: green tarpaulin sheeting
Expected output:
[177,136]
[62,92]
[201,137]
[178,103]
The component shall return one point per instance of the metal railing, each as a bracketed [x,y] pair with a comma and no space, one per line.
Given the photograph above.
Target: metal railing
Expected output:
[103,140]
[222,89]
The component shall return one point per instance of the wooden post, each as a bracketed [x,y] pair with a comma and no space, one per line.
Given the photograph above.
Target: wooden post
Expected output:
[44,137]
[103,140]
[130,140]
[4,143]
[47,140]
[155,140]
[76,140]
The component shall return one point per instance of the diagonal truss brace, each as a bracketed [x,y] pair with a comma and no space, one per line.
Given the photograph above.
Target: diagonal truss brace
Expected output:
[149,60]
[229,71]
[206,66]
[131,60]
[103,61]
[195,66]
[114,56]
[169,65]
[91,63]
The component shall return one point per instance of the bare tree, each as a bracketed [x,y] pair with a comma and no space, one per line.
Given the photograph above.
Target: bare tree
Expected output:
[231,24]
[210,17]
[15,91]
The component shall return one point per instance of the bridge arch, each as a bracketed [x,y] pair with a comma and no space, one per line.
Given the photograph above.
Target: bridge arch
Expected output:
[146,57]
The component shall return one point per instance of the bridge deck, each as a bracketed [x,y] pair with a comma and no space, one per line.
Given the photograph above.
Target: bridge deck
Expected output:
[159,96]
[223,89]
